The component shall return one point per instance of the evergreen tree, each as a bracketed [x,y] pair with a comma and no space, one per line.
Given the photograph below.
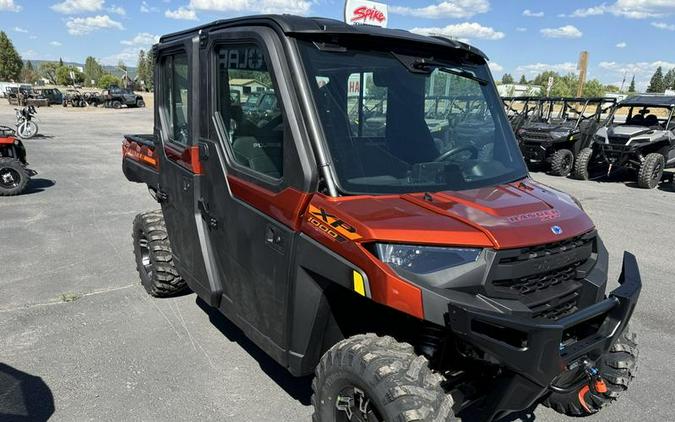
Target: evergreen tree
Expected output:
[150,69]
[60,62]
[656,83]
[507,79]
[141,72]
[631,88]
[29,65]
[669,80]
[522,81]
[10,61]
[92,71]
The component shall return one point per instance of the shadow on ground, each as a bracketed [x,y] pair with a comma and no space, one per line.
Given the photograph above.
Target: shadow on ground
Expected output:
[23,397]
[298,388]
[38,185]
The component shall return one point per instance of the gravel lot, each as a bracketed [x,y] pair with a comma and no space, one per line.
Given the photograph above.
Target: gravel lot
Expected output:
[80,339]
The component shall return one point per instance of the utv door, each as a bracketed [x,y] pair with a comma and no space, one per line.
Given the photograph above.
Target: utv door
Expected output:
[179,161]
[255,184]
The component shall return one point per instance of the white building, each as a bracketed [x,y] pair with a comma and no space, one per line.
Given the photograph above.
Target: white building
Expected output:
[518,90]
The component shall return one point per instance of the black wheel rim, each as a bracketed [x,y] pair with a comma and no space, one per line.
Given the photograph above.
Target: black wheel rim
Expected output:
[9,178]
[144,249]
[353,404]
[656,174]
[567,163]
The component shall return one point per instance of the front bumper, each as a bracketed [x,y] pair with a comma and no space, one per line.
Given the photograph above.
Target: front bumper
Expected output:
[534,352]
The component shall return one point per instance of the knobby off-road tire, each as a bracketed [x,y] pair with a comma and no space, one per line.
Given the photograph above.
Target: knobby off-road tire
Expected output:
[154,261]
[13,177]
[617,369]
[378,378]
[582,164]
[651,171]
[562,162]
[116,105]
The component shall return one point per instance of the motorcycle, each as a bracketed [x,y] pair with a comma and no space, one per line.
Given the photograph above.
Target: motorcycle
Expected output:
[26,127]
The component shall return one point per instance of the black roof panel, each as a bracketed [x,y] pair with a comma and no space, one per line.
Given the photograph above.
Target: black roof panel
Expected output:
[291,24]
[649,100]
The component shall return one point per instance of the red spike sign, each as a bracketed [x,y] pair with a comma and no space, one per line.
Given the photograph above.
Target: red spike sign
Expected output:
[364,12]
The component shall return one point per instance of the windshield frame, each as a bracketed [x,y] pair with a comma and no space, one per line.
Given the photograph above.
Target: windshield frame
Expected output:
[444,59]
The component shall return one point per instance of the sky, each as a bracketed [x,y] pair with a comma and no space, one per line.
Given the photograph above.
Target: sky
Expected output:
[623,37]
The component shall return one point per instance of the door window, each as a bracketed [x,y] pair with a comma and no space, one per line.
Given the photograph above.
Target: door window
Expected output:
[175,98]
[255,126]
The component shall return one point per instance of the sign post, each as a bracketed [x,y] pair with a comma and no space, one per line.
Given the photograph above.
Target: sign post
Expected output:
[365,12]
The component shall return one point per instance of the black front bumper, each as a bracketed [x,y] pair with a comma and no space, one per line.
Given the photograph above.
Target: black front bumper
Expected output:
[534,352]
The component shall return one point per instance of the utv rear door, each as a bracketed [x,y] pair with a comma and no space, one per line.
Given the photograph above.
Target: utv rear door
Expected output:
[255,185]
[179,167]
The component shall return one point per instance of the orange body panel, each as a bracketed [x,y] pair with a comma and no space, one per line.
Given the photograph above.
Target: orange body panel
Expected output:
[7,140]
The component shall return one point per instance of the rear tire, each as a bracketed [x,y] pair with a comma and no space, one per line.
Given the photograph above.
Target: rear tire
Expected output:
[651,171]
[582,164]
[116,105]
[378,378]
[617,369]
[13,177]
[154,260]
[562,162]
[140,103]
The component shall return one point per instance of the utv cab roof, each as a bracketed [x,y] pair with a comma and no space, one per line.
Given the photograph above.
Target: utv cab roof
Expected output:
[649,100]
[301,26]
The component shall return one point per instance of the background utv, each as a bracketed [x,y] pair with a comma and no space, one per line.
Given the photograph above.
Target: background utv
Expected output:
[638,136]
[418,275]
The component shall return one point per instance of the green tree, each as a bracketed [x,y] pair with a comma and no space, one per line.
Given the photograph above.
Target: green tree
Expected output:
[150,70]
[10,61]
[612,89]
[92,71]
[69,75]
[656,83]
[106,80]
[60,62]
[522,80]
[143,70]
[669,80]
[595,88]
[507,79]
[48,71]
[631,88]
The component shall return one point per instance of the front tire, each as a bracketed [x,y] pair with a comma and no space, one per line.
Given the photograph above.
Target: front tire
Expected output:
[13,177]
[116,105]
[27,129]
[154,260]
[562,162]
[582,164]
[377,379]
[617,369]
[651,171]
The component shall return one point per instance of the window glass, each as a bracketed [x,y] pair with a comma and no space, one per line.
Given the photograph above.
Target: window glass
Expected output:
[176,85]
[406,122]
[250,108]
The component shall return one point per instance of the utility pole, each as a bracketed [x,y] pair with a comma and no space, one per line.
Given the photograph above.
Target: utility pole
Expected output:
[583,69]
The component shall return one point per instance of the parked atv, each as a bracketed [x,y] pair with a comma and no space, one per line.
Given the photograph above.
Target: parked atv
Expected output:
[14,171]
[93,99]
[418,276]
[74,98]
[638,136]
[26,125]
[116,97]
[560,129]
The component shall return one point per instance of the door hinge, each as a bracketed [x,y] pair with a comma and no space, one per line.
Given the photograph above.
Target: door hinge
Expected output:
[206,214]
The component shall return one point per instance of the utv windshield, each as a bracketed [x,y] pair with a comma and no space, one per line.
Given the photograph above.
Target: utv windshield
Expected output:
[397,123]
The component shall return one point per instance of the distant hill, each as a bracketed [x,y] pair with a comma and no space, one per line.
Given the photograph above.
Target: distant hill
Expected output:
[108,69]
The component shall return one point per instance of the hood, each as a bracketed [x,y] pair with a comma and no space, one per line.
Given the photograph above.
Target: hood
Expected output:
[519,214]
[625,131]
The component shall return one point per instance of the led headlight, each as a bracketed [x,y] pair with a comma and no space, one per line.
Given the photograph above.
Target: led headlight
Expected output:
[560,134]
[424,259]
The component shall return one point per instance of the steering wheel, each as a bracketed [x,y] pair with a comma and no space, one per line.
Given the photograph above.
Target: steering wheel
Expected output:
[450,153]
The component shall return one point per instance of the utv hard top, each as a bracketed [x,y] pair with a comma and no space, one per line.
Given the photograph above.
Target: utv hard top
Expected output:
[639,135]
[418,273]
[559,128]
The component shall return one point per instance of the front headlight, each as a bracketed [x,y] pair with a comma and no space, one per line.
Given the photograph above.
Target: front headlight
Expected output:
[424,259]
[562,134]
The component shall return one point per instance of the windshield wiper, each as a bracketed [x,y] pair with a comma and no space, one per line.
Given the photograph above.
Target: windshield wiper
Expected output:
[422,65]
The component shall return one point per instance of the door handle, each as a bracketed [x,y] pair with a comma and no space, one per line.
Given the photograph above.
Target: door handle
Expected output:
[273,238]
[211,221]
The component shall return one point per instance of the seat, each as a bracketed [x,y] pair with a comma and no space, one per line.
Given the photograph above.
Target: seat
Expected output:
[637,120]
[651,120]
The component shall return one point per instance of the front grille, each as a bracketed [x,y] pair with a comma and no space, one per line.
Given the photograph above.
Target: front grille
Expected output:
[618,140]
[546,278]
[536,136]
